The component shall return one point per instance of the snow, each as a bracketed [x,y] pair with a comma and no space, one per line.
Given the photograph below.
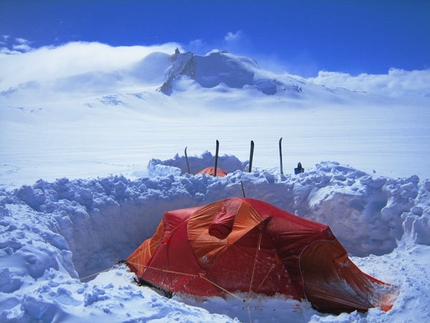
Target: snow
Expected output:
[93,156]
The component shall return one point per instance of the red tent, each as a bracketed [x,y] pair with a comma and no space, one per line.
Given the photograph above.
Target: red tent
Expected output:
[211,171]
[246,245]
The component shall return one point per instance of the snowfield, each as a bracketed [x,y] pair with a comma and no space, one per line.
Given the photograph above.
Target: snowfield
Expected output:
[92,156]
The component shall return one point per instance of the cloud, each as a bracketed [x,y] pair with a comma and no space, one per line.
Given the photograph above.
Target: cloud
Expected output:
[22,41]
[234,42]
[3,40]
[50,63]
[395,83]
[22,45]
[237,43]
[233,37]
[198,46]
[13,46]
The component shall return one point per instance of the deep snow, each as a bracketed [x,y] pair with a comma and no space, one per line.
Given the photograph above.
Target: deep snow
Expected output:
[55,232]
[89,167]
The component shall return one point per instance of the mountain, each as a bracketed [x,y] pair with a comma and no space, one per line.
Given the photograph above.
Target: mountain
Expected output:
[219,67]
[165,73]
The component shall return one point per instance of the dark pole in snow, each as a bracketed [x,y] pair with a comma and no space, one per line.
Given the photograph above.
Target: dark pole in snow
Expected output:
[186,159]
[216,156]
[251,155]
[280,156]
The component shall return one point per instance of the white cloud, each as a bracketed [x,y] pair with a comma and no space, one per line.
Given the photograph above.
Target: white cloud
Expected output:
[12,46]
[198,46]
[233,37]
[22,41]
[395,83]
[238,43]
[3,40]
[233,42]
[22,48]
[50,63]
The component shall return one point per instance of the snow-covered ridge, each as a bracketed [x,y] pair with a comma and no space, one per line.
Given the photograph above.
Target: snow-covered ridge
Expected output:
[51,233]
[221,67]
[169,72]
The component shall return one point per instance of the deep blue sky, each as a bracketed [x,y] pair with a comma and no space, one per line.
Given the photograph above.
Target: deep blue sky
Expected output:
[367,36]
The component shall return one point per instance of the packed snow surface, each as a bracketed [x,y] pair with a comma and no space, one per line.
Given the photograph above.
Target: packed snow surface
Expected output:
[93,155]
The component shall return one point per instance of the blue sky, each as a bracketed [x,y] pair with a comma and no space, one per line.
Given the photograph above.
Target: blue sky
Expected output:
[303,37]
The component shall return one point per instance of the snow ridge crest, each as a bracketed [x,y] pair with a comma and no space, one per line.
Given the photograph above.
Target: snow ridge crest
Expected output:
[221,67]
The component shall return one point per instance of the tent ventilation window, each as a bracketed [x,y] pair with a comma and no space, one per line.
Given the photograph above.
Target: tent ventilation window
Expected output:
[222,224]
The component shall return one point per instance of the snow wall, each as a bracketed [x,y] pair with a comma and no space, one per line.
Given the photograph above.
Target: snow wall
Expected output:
[80,227]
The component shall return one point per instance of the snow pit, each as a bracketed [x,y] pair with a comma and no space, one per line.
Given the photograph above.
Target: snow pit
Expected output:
[101,221]
[53,233]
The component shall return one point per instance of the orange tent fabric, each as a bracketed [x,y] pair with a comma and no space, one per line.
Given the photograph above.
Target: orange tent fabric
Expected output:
[211,171]
[249,246]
